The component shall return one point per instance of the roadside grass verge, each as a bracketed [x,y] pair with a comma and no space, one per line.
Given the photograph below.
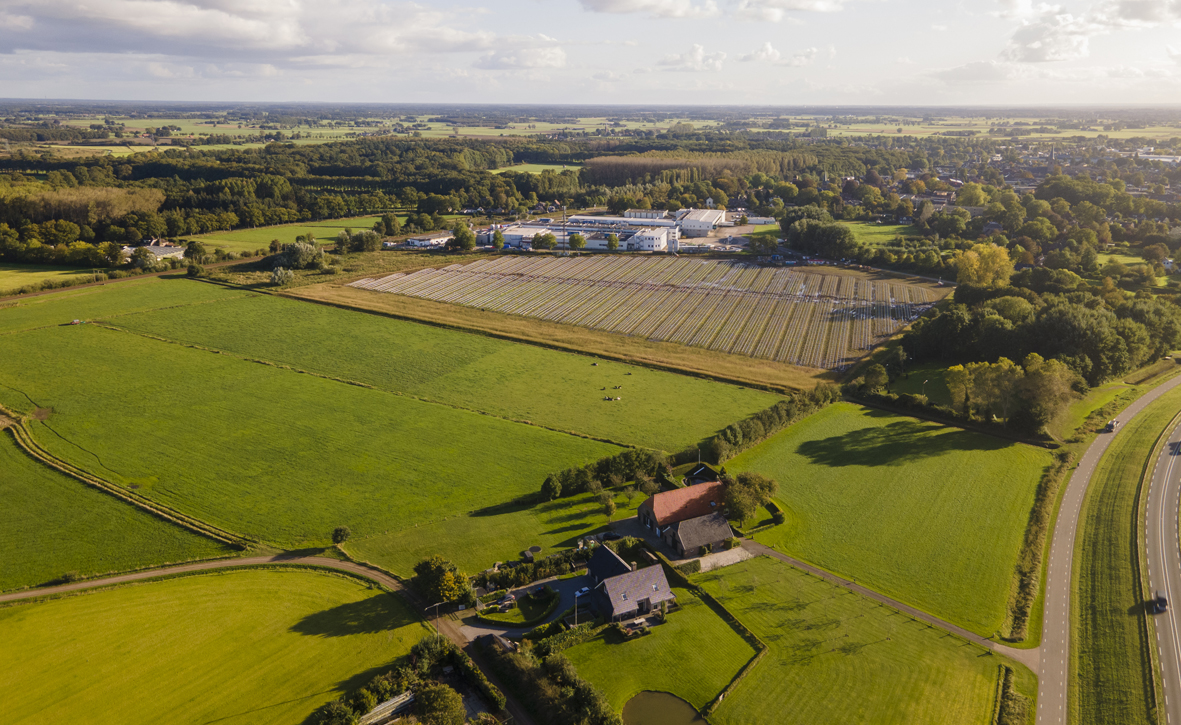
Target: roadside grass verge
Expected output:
[694,655]
[553,389]
[51,525]
[272,454]
[930,515]
[836,657]
[1111,661]
[229,647]
[695,361]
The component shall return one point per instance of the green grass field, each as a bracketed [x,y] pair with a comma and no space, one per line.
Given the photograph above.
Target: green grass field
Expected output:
[836,657]
[110,300]
[264,451]
[538,168]
[241,647]
[1111,670]
[935,389]
[880,234]
[51,524]
[248,240]
[14,275]
[930,515]
[500,533]
[693,655]
[557,390]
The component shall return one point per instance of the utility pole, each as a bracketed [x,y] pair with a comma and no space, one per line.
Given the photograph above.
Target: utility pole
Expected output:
[436,606]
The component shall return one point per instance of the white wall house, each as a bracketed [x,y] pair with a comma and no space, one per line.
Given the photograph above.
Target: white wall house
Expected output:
[434,239]
[649,240]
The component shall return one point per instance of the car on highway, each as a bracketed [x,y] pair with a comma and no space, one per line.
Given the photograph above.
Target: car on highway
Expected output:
[1158,604]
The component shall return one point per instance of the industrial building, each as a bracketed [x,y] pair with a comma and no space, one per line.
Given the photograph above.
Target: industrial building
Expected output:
[699,222]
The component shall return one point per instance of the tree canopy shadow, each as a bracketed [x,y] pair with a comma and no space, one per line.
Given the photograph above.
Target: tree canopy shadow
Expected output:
[902,441]
[368,616]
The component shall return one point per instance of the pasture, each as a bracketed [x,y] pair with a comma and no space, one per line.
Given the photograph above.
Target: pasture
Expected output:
[878,235]
[788,315]
[237,647]
[51,524]
[1108,648]
[248,240]
[498,533]
[553,389]
[693,655]
[836,657]
[930,515]
[14,275]
[263,451]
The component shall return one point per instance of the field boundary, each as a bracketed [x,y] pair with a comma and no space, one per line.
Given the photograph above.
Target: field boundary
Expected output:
[644,362]
[29,445]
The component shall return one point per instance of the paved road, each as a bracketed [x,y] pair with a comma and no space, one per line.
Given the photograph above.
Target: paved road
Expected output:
[565,589]
[1054,672]
[1164,566]
[1027,657]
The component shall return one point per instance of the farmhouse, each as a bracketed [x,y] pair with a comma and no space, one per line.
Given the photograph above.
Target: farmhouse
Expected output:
[689,537]
[701,473]
[670,507]
[621,591]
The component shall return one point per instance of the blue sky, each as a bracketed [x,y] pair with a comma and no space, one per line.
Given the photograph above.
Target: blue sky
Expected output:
[765,52]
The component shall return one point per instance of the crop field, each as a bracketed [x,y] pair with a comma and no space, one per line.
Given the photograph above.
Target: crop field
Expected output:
[693,655]
[233,648]
[51,524]
[930,515]
[836,657]
[460,369]
[788,315]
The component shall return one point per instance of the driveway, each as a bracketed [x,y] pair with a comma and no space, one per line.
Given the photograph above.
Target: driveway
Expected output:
[473,627]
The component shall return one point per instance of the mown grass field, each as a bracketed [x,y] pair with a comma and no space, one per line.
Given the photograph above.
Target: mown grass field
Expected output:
[930,515]
[242,240]
[835,657]
[935,389]
[520,382]
[880,234]
[110,300]
[239,647]
[268,452]
[693,655]
[51,524]
[14,275]
[1111,668]
[498,533]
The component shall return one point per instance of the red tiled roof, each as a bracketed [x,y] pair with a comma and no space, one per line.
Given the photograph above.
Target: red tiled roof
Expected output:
[669,507]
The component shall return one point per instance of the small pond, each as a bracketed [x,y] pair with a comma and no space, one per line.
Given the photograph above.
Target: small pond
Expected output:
[660,708]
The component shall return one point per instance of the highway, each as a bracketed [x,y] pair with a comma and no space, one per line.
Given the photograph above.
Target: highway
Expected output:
[1054,652]
[1164,566]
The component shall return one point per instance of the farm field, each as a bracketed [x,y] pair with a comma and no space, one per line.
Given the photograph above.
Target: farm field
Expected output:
[930,515]
[538,168]
[500,533]
[693,655]
[14,275]
[51,524]
[787,315]
[836,657]
[267,452]
[658,409]
[935,389]
[236,647]
[107,301]
[243,240]
[1108,648]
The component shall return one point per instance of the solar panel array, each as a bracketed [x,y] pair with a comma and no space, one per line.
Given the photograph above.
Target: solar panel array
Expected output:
[795,316]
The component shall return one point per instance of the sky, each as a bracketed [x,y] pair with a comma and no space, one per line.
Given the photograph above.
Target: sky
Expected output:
[659,52]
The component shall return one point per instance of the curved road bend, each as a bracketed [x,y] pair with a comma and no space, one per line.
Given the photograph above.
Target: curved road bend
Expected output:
[1164,566]
[446,625]
[1054,665]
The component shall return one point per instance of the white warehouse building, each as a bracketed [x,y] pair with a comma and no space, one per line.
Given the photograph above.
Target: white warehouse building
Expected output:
[699,222]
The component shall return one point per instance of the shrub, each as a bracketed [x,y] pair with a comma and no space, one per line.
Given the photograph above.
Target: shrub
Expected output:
[281,277]
[564,640]
[732,543]
[196,270]
[689,568]
[436,704]
[341,534]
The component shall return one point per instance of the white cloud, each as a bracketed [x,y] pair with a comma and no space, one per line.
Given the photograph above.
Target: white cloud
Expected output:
[1052,37]
[803,58]
[773,11]
[608,76]
[695,61]
[551,57]
[1174,53]
[939,28]
[985,71]
[655,8]
[765,53]
[1023,9]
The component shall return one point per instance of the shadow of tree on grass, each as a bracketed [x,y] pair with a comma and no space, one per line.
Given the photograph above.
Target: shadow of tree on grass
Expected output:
[902,441]
[375,614]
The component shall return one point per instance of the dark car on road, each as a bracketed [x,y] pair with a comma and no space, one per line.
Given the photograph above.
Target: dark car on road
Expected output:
[1158,604]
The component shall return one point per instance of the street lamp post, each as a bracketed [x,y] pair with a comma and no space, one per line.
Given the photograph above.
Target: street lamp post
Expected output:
[924,388]
[436,606]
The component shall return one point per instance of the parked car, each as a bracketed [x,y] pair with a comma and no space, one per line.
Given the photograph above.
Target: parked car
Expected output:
[612,536]
[581,592]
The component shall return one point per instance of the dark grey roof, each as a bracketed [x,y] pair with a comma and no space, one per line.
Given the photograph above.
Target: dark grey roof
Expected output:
[702,472]
[703,530]
[626,590]
[605,564]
